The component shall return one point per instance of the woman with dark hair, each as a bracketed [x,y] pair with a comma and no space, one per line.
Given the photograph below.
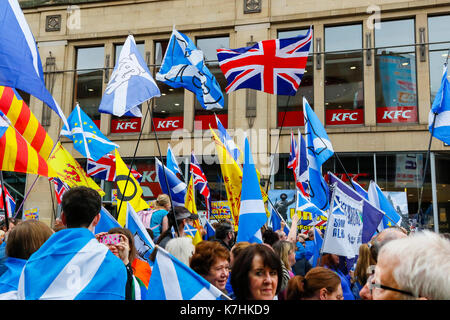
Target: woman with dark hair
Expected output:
[256,273]
[318,284]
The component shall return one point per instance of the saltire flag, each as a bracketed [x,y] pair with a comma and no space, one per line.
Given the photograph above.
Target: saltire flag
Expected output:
[318,217]
[371,215]
[252,213]
[17,155]
[127,192]
[363,193]
[173,280]
[69,170]
[106,222]
[100,275]
[441,109]
[189,203]
[142,240]
[227,140]
[273,66]
[11,270]
[378,199]
[232,178]
[20,62]
[183,66]
[105,168]
[319,150]
[275,220]
[130,85]
[21,118]
[171,162]
[302,171]
[210,231]
[10,202]
[318,242]
[86,136]
[200,183]
[60,188]
[176,187]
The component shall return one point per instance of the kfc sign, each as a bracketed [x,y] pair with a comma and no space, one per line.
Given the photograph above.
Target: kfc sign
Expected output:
[168,124]
[338,117]
[397,114]
[125,125]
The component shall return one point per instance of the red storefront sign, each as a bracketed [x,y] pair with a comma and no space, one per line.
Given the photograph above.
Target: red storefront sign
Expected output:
[168,124]
[338,117]
[404,114]
[149,182]
[125,125]
[202,122]
[291,119]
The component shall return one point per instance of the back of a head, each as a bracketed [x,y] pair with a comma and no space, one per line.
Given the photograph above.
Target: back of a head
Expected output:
[270,237]
[364,261]
[315,279]
[162,200]
[422,264]
[282,249]
[384,237]
[181,248]
[205,255]
[26,238]
[80,205]
[222,230]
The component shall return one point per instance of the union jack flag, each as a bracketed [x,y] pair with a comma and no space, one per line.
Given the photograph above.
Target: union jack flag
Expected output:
[200,183]
[273,66]
[60,188]
[105,168]
[10,202]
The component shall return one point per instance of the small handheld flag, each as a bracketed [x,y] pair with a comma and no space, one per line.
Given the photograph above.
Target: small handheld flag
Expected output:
[439,117]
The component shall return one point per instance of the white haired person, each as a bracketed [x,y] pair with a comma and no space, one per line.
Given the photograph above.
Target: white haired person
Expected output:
[415,267]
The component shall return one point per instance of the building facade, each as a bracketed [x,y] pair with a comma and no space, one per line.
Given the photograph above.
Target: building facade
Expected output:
[372,73]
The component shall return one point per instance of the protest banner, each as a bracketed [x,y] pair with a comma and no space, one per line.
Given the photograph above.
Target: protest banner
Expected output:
[343,235]
[31,214]
[220,210]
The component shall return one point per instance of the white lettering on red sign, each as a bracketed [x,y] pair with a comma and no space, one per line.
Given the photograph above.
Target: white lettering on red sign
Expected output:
[164,124]
[126,125]
[344,116]
[396,114]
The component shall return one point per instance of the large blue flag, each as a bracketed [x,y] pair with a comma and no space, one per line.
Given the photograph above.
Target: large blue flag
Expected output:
[86,136]
[171,161]
[362,192]
[173,280]
[174,185]
[73,265]
[371,215]
[106,222]
[252,213]
[319,150]
[130,85]
[184,66]
[441,107]
[378,199]
[9,279]
[20,62]
[142,240]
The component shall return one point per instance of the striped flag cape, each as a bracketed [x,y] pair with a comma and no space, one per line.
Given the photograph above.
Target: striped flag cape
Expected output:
[173,280]
[17,155]
[252,213]
[9,279]
[25,122]
[81,269]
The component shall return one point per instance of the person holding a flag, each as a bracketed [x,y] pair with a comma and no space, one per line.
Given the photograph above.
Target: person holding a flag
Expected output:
[180,221]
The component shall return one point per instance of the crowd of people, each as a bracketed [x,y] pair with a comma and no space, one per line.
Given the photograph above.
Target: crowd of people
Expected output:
[394,265]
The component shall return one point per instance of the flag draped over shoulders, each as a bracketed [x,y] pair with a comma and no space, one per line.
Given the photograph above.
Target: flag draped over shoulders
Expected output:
[81,269]
[9,280]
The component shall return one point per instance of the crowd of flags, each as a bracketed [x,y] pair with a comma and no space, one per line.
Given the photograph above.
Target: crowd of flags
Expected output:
[272,66]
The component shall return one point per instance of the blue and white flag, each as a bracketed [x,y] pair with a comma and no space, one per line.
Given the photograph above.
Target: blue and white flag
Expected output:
[275,220]
[319,150]
[9,279]
[106,222]
[73,265]
[173,280]
[371,215]
[441,107]
[378,199]
[130,85]
[362,192]
[20,62]
[252,213]
[142,240]
[171,162]
[210,231]
[190,230]
[176,187]
[302,165]
[86,136]
[303,204]
[318,242]
[227,140]
[184,66]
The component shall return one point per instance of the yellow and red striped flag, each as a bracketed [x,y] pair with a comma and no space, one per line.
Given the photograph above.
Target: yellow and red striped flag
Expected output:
[17,155]
[21,118]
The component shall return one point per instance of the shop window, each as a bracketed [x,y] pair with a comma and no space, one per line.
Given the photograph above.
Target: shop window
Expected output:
[290,108]
[127,124]
[344,86]
[202,117]
[168,108]
[88,89]
[395,72]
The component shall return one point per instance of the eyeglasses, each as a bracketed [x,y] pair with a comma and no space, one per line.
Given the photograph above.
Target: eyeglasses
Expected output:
[373,285]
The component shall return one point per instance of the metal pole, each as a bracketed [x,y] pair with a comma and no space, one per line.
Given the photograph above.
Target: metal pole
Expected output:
[434,192]
[5,207]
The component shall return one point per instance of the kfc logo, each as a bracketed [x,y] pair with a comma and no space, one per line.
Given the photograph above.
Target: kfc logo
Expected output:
[127,125]
[342,117]
[168,124]
[397,114]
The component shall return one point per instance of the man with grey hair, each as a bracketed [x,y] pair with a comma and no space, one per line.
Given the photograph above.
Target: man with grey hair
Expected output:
[416,267]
